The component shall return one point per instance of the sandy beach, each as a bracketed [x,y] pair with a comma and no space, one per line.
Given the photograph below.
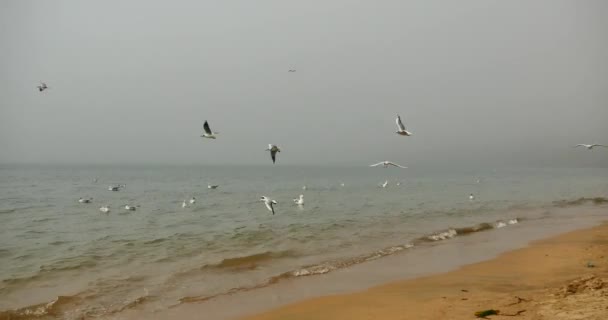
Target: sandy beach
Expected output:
[563,277]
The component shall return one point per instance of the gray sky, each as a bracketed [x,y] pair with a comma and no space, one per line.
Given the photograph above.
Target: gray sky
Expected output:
[478,81]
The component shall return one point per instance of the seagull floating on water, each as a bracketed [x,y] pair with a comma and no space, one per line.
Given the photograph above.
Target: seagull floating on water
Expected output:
[273,152]
[105,209]
[116,188]
[82,200]
[383,185]
[471,197]
[184,204]
[269,203]
[42,86]
[304,188]
[208,133]
[212,186]
[386,164]
[192,200]
[590,146]
[401,128]
[299,201]
[130,208]
[342,184]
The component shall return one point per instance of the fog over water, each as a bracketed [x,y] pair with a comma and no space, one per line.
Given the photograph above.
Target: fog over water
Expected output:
[477,82]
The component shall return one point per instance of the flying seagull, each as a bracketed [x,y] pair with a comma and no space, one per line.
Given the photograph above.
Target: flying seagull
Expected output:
[269,203]
[590,146]
[299,201]
[386,164]
[208,133]
[192,200]
[42,86]
[401,128]
[184,204]
[273,152]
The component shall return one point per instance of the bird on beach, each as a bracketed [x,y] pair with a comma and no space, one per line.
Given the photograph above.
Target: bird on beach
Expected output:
[299,201]
[212,186]
[269,203]
[401,128]
[590,146]
[208,133]
[42,86]
[192,200]
[130,208]
[105,209]
[82,200]
[385,164]
[273,152]
[471,197]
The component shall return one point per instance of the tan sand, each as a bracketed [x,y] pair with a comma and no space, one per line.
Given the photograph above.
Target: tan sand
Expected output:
[550,279]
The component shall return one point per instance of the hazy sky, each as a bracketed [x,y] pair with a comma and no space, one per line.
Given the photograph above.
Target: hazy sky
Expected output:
[478,81]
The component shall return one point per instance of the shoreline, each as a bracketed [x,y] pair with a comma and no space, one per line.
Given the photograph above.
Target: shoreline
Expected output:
[560,277]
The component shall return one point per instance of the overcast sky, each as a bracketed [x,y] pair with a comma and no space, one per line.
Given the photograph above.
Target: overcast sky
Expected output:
[484,82]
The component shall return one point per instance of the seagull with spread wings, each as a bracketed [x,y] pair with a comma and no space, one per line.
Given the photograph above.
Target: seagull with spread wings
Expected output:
[269,203]
[401,128]
[208,133]
[273,152]
[386,164]
[590,146]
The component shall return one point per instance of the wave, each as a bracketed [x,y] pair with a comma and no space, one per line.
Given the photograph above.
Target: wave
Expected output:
[251,261]
[54,308]
[580,201]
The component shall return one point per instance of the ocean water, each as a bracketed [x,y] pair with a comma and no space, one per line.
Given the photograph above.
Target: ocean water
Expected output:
[65,260]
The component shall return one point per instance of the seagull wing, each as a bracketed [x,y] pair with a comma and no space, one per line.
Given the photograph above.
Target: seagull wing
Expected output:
[377,164]
[580,145]
[273,155]
[600,145]
[207,129]
[269,206]
[396,165]
[400,125]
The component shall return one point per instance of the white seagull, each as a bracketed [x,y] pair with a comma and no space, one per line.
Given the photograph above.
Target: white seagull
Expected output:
[208,133]
[116,188]
[130,208]
[590,146]
[192,200]
[384,184]
[42,86]
[82,200]
[273,152]
[386,164]
[299,201]
[401,128]
[212,186]
[184,204]
[269,203]
[105,209]
[471,197]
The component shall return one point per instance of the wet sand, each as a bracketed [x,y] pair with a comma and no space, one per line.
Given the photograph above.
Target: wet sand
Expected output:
[562,277]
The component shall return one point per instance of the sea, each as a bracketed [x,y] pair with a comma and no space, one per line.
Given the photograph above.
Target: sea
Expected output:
[61,259]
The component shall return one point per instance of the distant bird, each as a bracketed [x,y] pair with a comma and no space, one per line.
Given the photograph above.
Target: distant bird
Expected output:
[130,208]
[304,188]
[184,204]
[42,86]
[192,200]
[383,185]
[269,203]
[471,197]
[342,184]
[81,200]
[105,209]
[292,70]
[398,184]
[590,146]
[212,186]
[208,133]
[273,152]
[116,188]
[386,164]
[299,201]
[401,128]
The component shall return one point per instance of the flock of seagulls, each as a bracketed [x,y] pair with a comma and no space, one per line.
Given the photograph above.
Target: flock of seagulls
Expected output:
[274,149]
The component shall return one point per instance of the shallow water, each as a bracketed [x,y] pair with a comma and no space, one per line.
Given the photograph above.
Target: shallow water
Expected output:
[163,255]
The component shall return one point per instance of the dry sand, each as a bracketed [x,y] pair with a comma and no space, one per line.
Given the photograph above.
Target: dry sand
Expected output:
[549,279]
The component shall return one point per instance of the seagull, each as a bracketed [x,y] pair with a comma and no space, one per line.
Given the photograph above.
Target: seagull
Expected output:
[184,204]
[212,186]
[590,146]
[471,197]
[386,164]
[398,184]
[42,86]
[130,208]
[81,200]
[116,188]
[384,184]
[208,133]
[299,201]
[104,209]
[193,200]
[401,128]
[292,70]
[304,188]
[269,203]
[273,152]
